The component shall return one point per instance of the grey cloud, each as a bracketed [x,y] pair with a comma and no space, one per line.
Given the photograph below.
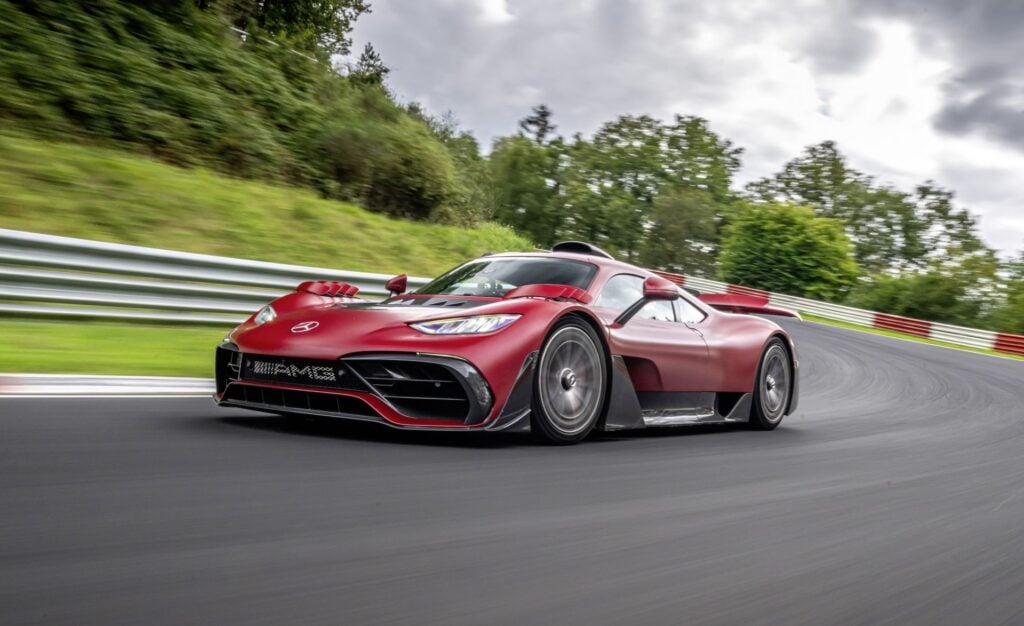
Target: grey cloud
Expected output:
[996,193]
[841,46]
[991,112]
[984,95]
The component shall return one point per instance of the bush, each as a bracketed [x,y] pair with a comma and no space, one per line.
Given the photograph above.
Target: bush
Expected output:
[930,296]
[787,249]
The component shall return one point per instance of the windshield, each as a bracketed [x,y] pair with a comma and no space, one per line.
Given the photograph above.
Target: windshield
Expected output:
[496,277]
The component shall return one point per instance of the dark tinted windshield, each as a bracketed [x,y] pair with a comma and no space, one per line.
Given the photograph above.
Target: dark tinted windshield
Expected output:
[495,277]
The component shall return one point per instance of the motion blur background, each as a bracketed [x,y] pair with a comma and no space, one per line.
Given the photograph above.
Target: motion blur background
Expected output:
[259,130]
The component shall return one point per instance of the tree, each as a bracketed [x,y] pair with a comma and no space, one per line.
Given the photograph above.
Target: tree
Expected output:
[323,25]
[891,230]
[788,249]
[369,69]
[538,124]
[933,295]
[474,198]
[524,192]
[617,175]
[1009,316]
[682,236]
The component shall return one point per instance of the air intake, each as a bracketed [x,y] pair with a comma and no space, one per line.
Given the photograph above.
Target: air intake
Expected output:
[579,247]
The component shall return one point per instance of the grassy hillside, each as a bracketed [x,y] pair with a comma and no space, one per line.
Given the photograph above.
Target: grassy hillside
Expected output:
[169,79]
[96,193]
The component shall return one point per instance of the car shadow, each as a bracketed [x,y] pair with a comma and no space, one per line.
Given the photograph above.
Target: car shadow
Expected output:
[368,431]
[371,432]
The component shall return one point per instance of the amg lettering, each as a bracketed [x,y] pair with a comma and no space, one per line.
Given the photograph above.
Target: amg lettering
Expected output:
[312,372]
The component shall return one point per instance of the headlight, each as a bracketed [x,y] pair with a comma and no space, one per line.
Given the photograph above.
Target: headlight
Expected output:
[466,325]
[264,315]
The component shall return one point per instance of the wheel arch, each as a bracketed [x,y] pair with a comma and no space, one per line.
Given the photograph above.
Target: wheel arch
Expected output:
[794,385]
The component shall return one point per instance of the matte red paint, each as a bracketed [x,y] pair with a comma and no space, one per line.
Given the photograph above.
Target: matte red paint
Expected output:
[719,353]
[736,303]
[397,285]
[328,288]
[658,288]
[549,291]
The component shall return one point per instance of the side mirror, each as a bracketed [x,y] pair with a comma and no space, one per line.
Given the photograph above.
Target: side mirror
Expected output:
[397,284]
[658,288]
[655,288]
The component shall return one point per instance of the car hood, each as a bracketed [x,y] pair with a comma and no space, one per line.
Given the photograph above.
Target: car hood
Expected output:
[336,329]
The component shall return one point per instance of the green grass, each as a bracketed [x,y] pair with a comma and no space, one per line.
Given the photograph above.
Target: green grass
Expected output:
[898,335]
[77,347]
[110,195]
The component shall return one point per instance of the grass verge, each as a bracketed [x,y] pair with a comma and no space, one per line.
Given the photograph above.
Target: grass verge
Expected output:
[898,335]
[115,348]
[110,195]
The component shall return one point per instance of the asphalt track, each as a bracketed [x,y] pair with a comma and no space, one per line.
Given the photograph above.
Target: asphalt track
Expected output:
[895,495]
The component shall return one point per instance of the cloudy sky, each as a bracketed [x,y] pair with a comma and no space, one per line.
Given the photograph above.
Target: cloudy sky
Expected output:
[910,89]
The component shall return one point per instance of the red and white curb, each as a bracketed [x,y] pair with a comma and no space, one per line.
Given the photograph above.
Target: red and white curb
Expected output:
[78,386]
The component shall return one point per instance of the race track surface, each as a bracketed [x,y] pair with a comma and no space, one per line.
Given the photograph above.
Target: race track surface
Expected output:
[895,495]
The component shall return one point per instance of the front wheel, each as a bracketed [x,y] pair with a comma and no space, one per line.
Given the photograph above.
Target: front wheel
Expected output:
[772,386]
[569,388]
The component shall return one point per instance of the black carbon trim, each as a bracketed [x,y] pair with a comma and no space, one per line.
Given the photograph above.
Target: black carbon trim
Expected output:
[623,410]
[304,402]
[515,415]
[734,407]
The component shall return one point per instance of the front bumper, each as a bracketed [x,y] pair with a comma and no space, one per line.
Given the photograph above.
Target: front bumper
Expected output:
[405,390]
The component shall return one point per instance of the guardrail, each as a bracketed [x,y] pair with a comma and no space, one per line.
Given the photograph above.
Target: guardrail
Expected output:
[46,275]
[51,276]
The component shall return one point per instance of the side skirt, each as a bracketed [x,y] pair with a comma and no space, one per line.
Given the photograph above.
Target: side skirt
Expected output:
[623,411]
[679,409]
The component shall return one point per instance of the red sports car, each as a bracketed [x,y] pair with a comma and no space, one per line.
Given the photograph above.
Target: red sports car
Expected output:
[558,343]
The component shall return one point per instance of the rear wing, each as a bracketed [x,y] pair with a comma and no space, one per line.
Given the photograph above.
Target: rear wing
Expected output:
[736,303]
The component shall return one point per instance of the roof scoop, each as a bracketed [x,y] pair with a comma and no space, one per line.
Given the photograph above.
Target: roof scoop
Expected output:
[580,247]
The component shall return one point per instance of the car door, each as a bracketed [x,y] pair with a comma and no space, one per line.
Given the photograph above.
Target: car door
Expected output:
[662,353]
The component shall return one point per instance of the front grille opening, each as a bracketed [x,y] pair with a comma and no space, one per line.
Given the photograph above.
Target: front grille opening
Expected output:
[300,401]
[228,364]
[417,389]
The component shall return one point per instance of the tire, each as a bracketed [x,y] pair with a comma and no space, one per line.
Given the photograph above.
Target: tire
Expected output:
[569,384]
[772,386]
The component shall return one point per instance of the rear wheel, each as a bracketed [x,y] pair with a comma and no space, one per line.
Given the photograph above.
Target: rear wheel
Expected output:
[772,386]
[569,389]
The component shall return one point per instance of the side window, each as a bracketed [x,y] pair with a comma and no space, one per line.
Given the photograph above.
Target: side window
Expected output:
[658,310]
[621,291]
[687,313]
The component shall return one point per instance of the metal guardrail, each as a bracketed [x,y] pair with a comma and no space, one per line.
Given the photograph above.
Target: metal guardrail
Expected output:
[47,275]
[50,276]
[956,335]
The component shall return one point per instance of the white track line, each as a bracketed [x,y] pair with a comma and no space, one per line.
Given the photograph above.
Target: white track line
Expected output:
[88,386]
